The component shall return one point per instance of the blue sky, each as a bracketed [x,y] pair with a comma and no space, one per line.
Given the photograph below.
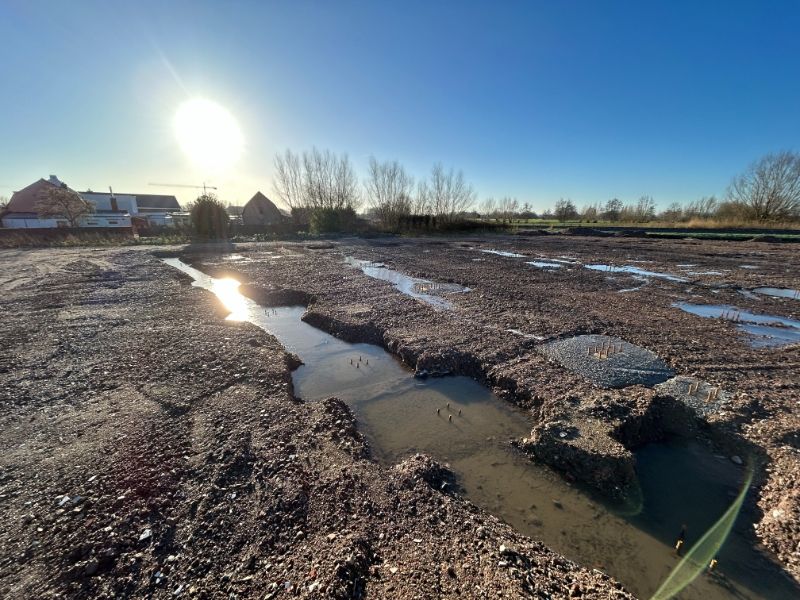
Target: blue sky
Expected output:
[538,100]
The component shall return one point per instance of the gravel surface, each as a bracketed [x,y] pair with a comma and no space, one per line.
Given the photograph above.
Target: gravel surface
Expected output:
[151,449]
[495,332]
[608,362]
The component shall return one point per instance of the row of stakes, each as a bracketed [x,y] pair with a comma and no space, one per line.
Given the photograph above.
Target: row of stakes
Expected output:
[358,363]
[679,544]
[712,393]
[424,288]
[449,417]
[730,315]
[604,350]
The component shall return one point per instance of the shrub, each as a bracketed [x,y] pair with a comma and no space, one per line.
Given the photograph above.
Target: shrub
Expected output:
[209,218]
[327,220]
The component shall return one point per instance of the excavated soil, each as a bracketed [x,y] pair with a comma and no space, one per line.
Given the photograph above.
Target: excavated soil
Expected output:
[746,401]
[149,448]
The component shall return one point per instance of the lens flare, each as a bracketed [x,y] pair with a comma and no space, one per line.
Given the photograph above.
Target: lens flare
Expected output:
[208,134]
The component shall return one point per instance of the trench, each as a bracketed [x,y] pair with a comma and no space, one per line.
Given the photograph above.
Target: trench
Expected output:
[460,422]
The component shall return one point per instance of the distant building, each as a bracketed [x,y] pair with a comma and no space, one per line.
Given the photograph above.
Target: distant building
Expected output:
[260,211]
[154,210]
[22,210]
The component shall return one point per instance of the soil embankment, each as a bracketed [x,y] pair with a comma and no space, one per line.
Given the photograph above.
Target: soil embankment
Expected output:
[150,448]
[495,332]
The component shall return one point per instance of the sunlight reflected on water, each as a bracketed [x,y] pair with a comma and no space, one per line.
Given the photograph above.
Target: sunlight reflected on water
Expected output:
[227,290]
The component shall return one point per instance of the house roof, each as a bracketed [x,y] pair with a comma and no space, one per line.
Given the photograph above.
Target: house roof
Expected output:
[260,210]
[160,201]
[20,215]
[26,199]
[261,203]
[147,201]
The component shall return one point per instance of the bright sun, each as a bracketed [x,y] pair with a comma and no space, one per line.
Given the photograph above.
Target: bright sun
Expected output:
[208,134]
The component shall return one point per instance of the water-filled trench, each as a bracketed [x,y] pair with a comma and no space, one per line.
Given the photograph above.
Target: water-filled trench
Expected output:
[461,423]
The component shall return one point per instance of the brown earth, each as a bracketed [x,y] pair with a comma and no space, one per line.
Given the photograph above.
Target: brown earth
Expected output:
[757,418]
[150,448]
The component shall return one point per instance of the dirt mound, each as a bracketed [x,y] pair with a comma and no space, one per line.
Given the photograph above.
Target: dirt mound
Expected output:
[637,233]
[585,231]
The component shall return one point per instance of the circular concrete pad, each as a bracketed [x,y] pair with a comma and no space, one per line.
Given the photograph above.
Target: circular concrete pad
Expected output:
[609,362]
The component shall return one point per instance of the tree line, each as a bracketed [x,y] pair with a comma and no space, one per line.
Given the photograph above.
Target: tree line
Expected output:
[323,192]
[767,191]
[322,186]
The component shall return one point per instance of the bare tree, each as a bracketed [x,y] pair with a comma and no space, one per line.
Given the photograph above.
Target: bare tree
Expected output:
[288,180]
[388,189]
[770,187]
[526,212]
[329,181]
[488,207]
[590,212]
[62,202]
[645,209]
[703,208]
[447,194]
[507,207]
[316,180]
[673,213]
[613,209]
[565,210]
[422,200]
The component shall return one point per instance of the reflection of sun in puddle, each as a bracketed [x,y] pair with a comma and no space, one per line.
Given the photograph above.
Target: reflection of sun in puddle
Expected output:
[227,290]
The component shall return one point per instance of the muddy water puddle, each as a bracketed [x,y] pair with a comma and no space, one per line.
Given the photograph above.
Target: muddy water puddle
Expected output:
[427,291]
[635,271]
[763,331]
[461,423]
[778,292]
[541,264]
[504,253]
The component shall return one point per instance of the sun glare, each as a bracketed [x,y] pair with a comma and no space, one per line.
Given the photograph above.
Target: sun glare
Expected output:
[227,290]
[208,134]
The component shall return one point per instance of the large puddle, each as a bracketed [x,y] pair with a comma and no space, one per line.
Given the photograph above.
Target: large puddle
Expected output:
[461,423]
[504,253]
[763,330]
[422,289]
[636,271]
[779,292]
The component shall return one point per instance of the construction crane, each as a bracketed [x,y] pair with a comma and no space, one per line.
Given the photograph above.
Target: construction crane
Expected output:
[203,187]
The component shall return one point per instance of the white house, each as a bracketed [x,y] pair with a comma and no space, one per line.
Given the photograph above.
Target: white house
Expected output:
[22,210]
[110,209]
[151,210]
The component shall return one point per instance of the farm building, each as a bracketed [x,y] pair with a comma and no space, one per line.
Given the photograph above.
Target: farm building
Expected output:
[156,210]
[22,211]
[260,210]
[109,209]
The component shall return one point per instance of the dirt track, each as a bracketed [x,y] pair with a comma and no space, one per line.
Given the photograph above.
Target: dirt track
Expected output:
[150,448]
